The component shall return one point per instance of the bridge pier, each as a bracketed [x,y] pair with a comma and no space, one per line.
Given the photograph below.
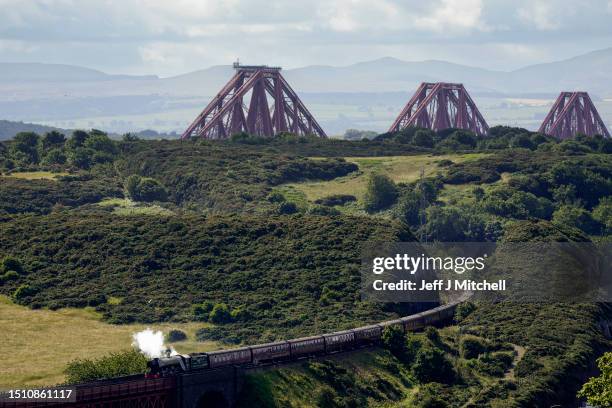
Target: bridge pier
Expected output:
[210,388]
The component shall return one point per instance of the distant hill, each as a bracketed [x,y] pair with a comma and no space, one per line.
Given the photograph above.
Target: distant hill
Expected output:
[591,72]
[37,72]
[8,129]
[365,95]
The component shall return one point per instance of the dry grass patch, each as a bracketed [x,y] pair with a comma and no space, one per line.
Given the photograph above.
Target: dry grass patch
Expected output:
[39,343]
[35,175]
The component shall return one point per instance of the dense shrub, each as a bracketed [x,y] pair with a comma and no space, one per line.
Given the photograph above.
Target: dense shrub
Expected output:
[220,313]
[472,347]
[112,365]
[381,192]
[145,189]
[336,199]
[287,207]
[431,365]
[577,217]
[175,335]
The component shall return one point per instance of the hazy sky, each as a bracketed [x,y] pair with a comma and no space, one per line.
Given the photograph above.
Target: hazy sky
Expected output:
[169,37]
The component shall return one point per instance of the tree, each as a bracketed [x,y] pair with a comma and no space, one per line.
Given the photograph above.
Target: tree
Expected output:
[145,189]
[100,142]
[81,157]
[576,217]
[603,212]
[77,139]
[150,189]
[381,193]
[53,139]
[54,156]
[409,209]
[287,207]
[431,365]
[220,313]
[24,148]
[598,390]
[394,340]
[423,138]
[175,335]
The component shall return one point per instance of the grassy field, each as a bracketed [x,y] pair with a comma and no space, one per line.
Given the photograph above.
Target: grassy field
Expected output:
[402,169]
[34,175]
[125,206]
[39,343]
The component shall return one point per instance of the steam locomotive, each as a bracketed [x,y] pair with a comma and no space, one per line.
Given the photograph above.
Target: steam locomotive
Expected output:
[297,348]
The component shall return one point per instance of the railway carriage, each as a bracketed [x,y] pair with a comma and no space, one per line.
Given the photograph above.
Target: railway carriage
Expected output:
[307,346]
[368,334]
[269,352]
[339,341]
[388,323]
[230,357]
[414,322]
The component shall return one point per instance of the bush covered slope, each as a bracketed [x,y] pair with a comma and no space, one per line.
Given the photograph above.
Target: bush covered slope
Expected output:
[283,276]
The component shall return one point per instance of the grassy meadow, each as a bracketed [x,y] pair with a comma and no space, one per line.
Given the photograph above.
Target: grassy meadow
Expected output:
[41,342]
[401,169]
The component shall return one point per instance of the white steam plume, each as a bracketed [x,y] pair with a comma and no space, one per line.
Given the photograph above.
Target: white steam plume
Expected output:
[151,343]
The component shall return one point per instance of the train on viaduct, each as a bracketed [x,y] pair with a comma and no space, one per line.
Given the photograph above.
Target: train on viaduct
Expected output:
[219,384]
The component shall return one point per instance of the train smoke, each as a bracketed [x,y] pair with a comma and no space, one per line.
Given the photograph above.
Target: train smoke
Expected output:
[151,343]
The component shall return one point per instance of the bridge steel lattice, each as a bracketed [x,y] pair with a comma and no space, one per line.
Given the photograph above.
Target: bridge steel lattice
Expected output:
[228,113]
[573,112]
[439,106]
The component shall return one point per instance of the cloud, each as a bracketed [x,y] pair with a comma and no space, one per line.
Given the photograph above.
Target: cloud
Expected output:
[180,35]
[541,14]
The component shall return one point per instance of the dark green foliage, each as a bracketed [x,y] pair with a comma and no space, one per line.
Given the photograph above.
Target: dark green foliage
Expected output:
[336,199]
[423,138]
[54,157]
[22,292]
[112,365]
[145,189]
[40,196]
[452,224]
[603,213]
[175,335]
[201,311]
[25,148]
[9,264]
[381,193]
[275,197]
[52,140]
[344,388]
[492,364]
[472,346]
[431,365]
[464,310]
[220,313]
[287,207]
[430,396]
[577,217]
[509,203]
[223,176]
[598,390]
[323,210]
[394,340]
[278,269]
